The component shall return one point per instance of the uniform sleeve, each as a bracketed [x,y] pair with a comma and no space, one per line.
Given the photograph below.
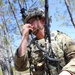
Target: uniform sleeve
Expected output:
[70,67]
[70,55]
[67,44]
[20,63]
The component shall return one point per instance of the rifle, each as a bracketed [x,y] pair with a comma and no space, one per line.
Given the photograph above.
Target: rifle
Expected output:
[49,56]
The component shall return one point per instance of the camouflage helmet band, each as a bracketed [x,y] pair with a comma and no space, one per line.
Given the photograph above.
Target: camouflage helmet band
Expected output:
[34,12]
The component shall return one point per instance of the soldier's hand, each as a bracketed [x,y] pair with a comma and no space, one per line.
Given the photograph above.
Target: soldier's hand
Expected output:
[25,30]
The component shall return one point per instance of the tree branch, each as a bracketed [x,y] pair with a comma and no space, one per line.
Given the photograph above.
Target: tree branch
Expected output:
[69,13]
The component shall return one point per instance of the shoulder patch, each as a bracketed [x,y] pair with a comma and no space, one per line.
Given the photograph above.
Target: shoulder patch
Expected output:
[53,34]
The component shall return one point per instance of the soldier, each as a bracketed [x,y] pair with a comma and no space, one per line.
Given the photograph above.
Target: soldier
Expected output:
[63,46]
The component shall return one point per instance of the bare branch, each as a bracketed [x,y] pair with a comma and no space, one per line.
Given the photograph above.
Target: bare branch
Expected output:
[68,8]
[15,16]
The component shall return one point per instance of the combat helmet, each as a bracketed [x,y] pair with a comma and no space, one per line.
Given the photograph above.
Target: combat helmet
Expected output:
[32,13]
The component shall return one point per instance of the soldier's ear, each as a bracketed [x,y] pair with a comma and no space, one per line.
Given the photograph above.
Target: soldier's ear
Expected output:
[42,20]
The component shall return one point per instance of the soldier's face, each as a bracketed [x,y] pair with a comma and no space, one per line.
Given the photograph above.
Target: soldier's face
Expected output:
[38,27]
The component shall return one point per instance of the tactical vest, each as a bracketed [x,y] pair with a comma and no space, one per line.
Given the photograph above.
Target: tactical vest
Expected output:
[36,59]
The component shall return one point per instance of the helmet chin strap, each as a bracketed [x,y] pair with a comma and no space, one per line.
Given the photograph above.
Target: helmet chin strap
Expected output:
[38,27]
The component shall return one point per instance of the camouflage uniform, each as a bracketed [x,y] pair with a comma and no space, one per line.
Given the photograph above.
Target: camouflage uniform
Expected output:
[63,47]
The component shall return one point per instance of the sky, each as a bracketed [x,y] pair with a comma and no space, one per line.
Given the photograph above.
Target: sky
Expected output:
[58,23]
[55,6]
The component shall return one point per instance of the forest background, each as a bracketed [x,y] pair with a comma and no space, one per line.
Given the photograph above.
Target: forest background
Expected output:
[61,13]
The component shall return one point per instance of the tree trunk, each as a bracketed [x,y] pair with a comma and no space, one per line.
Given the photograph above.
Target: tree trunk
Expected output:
[14,16]
[3,64]
[7,46]
[4,68]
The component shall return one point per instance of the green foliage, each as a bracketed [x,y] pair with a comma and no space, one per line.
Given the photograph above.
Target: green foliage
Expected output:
[59,14]
[10,20]
[14,1]
[0,71]
[5,41]
[42,2]
[1,2]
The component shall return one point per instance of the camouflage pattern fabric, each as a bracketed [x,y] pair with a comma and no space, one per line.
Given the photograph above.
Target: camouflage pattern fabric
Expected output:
[67,45]
[32,13]
[63,47]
